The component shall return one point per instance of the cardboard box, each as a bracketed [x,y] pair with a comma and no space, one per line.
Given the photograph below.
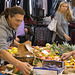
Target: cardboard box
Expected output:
[45,71]
[53,64]
[49,67]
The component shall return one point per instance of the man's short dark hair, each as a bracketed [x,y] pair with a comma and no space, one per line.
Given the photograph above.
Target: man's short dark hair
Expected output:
[13,11]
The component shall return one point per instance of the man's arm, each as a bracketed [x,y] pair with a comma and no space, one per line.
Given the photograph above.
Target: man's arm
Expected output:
[17,39]
[16,43]
[24,67]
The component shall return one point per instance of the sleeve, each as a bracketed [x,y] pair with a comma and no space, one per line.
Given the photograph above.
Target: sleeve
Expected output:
[3,41]
[59,28]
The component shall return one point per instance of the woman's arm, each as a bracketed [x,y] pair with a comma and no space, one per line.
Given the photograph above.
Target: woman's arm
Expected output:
[59,29]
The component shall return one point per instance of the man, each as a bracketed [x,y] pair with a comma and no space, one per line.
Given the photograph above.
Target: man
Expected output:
[10,19]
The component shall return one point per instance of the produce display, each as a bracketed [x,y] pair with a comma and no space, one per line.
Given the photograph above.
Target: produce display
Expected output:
[9,69]
[70,64]
[52,52]
[48,52]
[12,50]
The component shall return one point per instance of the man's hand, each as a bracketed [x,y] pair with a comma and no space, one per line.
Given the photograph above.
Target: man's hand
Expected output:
[17,39]
[25,68]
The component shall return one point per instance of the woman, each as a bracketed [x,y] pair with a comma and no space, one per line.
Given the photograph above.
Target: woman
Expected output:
[63,16]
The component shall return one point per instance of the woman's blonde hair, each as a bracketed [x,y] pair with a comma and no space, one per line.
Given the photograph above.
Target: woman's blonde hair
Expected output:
[68,14]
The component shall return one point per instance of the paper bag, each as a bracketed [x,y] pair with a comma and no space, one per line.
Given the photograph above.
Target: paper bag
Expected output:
[22,50]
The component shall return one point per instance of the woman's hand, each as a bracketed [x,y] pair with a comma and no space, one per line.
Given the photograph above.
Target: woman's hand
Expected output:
[67,37]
